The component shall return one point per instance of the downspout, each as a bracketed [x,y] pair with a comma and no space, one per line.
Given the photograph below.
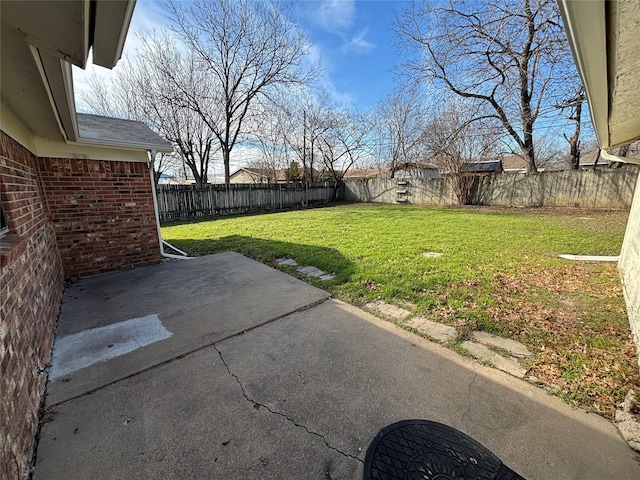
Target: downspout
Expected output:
[614,158]
[162,243]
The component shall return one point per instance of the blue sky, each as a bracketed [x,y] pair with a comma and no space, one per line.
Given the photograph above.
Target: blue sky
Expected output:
[352,39]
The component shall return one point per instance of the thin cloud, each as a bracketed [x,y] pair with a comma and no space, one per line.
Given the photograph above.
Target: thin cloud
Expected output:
[358,43]
[336,15]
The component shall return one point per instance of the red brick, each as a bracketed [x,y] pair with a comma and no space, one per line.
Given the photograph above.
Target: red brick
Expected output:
[32,282]
[95,217]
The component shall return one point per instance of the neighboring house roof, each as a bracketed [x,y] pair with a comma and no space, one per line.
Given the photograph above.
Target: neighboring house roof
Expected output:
[491,166]
[417,166]
[40,40]
[119,132]
[512,163]
[260,174]
[366,172]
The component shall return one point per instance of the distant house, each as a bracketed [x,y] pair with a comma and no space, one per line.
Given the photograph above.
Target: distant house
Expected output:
[591,158]
[514,164]
[490,167]
[257,175]
[367,173]
[266,175]
[417,170]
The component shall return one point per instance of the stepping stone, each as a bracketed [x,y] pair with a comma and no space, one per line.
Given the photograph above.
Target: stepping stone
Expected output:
[387,310]
[287,261]
[514,348]
[315,272]
[509,365]
[435,330]
[310,271]
[431,254]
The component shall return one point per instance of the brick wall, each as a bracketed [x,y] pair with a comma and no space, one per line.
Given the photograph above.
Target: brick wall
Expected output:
[102,213]
[31,284]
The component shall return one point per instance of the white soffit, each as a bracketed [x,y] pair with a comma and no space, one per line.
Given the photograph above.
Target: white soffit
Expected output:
[585,24]
[605,41]
[39,41]
[110,30]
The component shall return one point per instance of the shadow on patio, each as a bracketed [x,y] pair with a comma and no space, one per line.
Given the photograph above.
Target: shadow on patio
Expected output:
[265,376]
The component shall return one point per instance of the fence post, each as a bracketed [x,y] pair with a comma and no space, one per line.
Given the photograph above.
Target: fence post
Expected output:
[212,202]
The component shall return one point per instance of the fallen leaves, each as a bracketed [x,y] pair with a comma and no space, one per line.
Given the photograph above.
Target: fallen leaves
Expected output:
[573,317]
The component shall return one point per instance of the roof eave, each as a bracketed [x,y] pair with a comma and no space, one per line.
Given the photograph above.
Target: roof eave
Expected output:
[110,27]
[589,47]
[159,148]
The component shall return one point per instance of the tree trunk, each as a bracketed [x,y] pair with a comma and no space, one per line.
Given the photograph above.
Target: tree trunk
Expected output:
[225,160]
[528,151]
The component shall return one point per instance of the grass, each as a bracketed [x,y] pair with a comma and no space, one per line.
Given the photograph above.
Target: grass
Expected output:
[499,272]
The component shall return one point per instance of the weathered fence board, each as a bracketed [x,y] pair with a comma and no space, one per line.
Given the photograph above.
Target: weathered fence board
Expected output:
[193,201]
[606,188]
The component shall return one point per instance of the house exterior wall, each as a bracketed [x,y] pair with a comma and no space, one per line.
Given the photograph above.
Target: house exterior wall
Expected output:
[102,212]
[31,284]
[629,265]
[417,173]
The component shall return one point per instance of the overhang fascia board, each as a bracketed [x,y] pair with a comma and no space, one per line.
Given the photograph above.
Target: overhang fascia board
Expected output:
[64,29]
[50,69]
[67,77]
[111,24]
[586,27]
[57,149]
[123,144]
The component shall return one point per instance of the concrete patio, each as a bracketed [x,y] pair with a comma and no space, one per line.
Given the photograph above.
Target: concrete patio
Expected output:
[264,376]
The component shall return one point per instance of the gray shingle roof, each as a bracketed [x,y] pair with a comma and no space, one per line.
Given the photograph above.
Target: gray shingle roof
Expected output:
[117,131]
[494,166]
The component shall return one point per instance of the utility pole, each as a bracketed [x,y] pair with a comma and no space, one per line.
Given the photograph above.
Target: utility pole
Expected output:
[304,145]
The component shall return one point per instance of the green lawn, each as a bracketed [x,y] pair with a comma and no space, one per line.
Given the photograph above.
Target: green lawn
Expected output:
[499,272]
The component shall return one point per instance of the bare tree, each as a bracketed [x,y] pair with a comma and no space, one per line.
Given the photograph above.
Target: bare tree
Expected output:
[308,117]
[247,49]
[549,154]
[116,98]
[343,143]
[161,61]
[574,106]
[502,54]
[457,136]
[398,128]
[272,127]
[140,91]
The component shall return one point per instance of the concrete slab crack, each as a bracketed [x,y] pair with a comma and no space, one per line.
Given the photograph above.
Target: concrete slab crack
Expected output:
[466,415]
[258,405]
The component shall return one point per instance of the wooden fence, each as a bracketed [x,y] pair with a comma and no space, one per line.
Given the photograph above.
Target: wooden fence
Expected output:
[606,188]
[194,201]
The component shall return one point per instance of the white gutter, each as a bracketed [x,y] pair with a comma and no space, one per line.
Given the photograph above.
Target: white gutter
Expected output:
[161,242]
[119,143]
